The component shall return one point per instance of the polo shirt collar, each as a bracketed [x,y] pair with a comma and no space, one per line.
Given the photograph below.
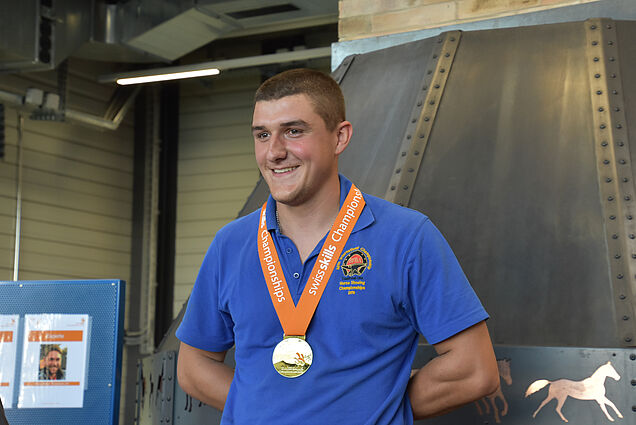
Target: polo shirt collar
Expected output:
[366,218]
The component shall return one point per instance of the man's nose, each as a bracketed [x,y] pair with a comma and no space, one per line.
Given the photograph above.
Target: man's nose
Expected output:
[277,149]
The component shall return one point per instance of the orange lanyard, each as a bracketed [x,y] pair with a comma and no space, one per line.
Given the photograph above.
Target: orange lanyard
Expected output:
[295,319]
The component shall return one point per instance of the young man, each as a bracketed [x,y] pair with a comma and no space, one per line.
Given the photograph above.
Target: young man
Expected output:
[52,369]
[325,289]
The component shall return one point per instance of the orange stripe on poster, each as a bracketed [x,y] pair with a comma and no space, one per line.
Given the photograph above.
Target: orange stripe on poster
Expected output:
[6,336]
[51,384]
[4,384]
[55,336]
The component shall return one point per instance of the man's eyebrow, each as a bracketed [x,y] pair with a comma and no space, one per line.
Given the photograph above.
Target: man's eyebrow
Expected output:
[257,128]
[295,123]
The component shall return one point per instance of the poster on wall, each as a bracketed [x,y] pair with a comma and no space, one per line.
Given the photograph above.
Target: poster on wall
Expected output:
[8,345]
[53,360]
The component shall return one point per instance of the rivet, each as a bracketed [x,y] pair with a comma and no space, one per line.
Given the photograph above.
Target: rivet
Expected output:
[423,135]
[603,143]
[620,276]
[601,109]
[633,382]
[447,55]
[442,70]
[612,217]
[427,119]
[413,120]
[594,43]
[593,27]
[610,43]
[599,92]
[595,59]
[629,217]
[609,179]
[429,72]
[622,297]
[419,103]
[614,236]
[619,126]
[405,187]
[411,170]
[432,102]
[452,39]
[611,59]
[621,143]
[425,87]
[609,27]
[628,339]
[597,75]
[392,187]
[632,356]
[398,171]
[614,91]
[416,153]
[622,161]
[602,126]
[613,75]
[606,161]
[439,40]
[408,137]
[435,56]
[403,153]
[610,198]
[632,236]
[617,109]
[633,255]
[617,256]
[625,317]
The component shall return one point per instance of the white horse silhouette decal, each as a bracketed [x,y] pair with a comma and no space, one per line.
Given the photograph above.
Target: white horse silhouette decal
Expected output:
[504,372]
[592,388]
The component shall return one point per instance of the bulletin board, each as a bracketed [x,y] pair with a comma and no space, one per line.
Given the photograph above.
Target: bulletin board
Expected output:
[65,339]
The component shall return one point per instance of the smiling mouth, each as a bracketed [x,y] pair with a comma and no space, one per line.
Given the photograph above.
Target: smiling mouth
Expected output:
[284,170]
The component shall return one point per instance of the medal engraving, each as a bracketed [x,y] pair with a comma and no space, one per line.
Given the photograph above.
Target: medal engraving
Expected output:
[292,357]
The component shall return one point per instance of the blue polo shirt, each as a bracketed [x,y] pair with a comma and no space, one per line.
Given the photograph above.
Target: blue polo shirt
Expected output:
[396,278]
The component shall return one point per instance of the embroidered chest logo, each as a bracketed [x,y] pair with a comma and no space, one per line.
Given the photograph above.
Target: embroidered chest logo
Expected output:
[353,263]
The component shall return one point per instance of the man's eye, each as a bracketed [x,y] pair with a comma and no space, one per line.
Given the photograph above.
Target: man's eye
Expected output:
[263,135]
[294,131]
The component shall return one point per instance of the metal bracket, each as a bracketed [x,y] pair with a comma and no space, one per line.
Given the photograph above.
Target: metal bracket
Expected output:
[616,187]
[422,118]
[341,71]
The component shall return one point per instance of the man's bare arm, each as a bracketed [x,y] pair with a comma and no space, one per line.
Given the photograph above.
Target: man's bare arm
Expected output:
[465,370]
[203,375]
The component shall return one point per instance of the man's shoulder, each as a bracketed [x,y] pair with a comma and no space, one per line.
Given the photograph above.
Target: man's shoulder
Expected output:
[387,212]
[240,227]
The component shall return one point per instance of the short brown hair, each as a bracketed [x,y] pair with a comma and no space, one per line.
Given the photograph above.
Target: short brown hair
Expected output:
[322,90]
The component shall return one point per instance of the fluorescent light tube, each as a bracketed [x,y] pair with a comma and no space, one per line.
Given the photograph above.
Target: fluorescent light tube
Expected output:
[166,77]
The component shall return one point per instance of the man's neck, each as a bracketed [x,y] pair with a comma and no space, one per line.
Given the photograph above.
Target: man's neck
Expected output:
[308,223]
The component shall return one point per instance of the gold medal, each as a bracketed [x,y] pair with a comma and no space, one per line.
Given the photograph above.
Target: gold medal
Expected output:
[292,356]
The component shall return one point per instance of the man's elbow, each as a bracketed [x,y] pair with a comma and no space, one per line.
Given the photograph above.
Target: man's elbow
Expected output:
[183,376]
[485,382]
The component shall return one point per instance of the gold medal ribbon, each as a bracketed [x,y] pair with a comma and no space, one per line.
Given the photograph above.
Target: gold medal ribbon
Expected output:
[295,319]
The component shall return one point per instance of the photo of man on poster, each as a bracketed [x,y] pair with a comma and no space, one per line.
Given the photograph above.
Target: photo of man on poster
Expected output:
[52,362]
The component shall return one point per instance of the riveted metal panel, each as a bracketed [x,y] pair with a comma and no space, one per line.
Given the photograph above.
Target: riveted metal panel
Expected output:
[616,186]
[156,387]
[509,177]
[422,118]
[380,90]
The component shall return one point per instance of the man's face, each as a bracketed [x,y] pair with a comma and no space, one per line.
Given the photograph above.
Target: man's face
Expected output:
[295,151]
[53,361]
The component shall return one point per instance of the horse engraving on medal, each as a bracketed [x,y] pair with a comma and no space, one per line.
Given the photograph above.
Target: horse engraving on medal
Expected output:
[491,400]
[592,388]
[292,357]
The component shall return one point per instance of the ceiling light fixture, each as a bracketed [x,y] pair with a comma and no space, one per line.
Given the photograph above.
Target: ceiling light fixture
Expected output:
[167,77]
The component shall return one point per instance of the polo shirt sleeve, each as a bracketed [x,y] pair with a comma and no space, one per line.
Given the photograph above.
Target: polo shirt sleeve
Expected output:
[438,299]
[205,325]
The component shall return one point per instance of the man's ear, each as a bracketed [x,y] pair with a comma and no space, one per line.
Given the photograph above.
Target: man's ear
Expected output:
[344,131]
